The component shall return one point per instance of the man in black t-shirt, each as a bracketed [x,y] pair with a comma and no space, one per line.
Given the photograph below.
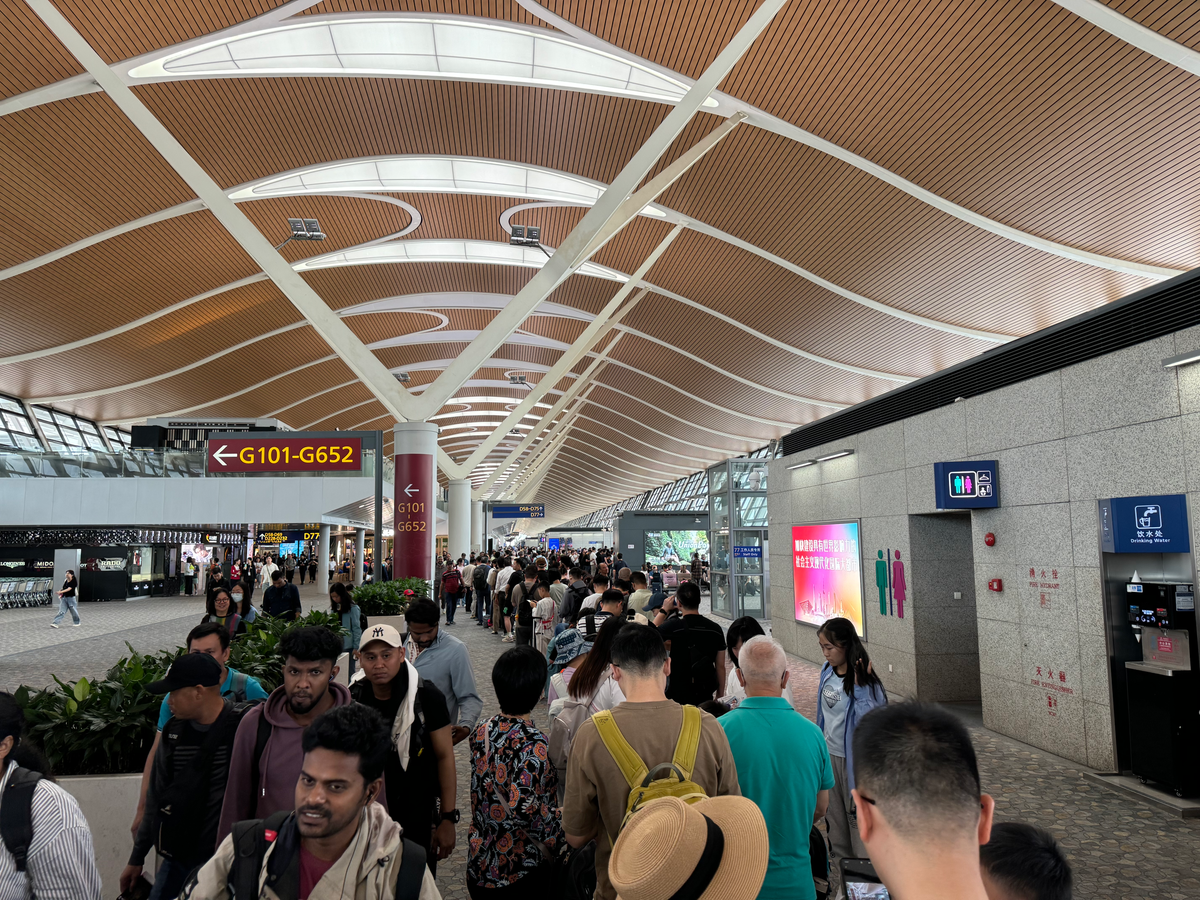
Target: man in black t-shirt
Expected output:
[420,769]
[696,645]
[281,599]
[524,599]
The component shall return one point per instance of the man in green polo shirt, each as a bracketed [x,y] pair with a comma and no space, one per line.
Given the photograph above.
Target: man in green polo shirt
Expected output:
[782,765]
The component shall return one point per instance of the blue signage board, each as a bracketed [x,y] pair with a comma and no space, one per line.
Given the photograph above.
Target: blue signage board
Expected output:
[1145,524]
[747,552]
[524,511]
[966,485]
[554,544]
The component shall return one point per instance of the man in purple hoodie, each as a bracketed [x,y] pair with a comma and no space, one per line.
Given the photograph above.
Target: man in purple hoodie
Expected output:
[266,752]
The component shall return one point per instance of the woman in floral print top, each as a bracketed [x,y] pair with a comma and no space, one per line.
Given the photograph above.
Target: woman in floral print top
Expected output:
[514,787]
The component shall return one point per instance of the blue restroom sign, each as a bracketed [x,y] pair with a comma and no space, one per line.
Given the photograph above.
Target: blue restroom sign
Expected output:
[1145,524]
[966,485]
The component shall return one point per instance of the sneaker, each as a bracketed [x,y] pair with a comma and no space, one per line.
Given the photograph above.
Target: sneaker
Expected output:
[509,638]
[53,624]
[75,624]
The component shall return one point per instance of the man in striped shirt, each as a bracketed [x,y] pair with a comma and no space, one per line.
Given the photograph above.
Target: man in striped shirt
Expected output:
[60,863]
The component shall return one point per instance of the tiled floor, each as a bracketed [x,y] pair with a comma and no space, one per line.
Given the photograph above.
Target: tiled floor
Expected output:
[1118,847]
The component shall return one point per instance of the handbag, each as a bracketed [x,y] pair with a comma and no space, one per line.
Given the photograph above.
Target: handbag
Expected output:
[570,874]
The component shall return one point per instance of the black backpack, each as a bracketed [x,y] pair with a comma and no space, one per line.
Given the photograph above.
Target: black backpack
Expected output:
[250,847]
[480,576]
[16,814]
[573,600]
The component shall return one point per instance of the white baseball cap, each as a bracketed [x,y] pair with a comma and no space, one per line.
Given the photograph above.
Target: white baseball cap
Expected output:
[385,633]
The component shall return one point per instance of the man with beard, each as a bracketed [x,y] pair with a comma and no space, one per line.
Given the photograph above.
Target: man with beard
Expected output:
[419,770]
[266,753]
[338,843]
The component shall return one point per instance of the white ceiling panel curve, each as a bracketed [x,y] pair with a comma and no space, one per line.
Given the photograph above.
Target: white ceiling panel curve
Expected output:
[407,45]
[459,300]
[444,251]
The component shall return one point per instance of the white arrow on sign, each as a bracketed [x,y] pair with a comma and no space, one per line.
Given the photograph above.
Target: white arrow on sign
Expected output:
[220,455]
[410,490]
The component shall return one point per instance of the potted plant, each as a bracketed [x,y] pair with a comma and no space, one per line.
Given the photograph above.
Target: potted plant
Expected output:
[384,602]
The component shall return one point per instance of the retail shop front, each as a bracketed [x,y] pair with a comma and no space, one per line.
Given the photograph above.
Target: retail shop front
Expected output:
[110,563]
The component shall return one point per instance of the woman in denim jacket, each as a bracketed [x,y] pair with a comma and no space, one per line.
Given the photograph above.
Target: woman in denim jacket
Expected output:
[848,690]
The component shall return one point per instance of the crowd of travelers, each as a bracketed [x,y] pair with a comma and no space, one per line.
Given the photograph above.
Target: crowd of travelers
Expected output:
[668,762]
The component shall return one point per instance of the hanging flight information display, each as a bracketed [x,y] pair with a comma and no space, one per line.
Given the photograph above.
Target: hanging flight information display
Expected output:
[827,573]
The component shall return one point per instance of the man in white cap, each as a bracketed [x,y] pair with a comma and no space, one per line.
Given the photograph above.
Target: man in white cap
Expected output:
[419,770]
[715,849]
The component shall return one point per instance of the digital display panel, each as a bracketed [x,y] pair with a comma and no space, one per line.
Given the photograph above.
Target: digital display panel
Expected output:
[827,573]
[674,547]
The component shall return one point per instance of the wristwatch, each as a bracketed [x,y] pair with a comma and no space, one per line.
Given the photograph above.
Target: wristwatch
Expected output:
[452,816]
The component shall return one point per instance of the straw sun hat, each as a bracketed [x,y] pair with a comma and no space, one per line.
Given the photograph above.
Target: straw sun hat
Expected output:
[712,850]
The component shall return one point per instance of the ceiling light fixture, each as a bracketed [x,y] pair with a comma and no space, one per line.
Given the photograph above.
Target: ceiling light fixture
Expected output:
[528,236]
[303,230]
[1182,359]
[804,465]
[403,377]
[837,455]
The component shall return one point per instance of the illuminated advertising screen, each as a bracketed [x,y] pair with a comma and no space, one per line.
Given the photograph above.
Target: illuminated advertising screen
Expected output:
[827,570]
[674,547]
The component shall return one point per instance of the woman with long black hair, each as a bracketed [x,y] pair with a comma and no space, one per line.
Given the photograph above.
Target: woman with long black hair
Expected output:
[847,691]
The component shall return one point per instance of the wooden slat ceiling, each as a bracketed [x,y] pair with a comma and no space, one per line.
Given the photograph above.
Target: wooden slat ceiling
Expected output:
[30,56]
[1017,110]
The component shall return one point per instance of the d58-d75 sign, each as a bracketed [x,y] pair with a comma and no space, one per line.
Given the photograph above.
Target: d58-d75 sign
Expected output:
[284,455]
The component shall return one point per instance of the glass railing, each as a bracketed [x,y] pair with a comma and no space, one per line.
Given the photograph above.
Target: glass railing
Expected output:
[150,464]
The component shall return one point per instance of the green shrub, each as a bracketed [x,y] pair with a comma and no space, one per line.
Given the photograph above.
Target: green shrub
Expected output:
[390,598]
[105,726]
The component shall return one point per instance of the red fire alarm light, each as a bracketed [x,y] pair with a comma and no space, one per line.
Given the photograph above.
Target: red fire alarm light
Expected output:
[989,539]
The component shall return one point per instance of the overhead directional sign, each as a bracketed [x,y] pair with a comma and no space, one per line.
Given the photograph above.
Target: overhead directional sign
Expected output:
[290,536]
[526,511]
[294,453]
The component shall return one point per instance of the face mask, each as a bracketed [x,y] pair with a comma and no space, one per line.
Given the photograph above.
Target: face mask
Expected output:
[237,598]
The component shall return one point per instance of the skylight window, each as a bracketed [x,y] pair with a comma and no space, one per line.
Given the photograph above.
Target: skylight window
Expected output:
[488,252]
[401,45]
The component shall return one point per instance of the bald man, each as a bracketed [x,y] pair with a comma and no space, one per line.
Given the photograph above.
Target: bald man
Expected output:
[783,766]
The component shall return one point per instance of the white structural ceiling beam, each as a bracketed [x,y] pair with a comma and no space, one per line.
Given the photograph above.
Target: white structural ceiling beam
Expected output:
[324,320]
[602,220]
[550,416]
[592,333]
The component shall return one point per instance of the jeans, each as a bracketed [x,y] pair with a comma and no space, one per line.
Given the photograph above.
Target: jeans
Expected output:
[169,880]
[451,606]
[483,605]
[64,604]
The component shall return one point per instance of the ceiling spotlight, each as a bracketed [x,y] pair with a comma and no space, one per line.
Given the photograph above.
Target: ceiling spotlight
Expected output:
[303,230]
[527,236]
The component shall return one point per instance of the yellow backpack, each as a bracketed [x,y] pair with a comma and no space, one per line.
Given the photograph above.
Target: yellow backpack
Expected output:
[671,779]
